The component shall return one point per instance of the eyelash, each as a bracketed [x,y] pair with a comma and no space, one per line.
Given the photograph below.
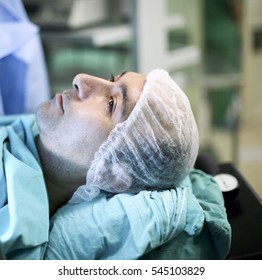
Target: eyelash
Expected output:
[112,78]
[111,104]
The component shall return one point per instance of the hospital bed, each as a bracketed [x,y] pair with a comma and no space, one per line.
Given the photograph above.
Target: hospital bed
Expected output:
[245,218]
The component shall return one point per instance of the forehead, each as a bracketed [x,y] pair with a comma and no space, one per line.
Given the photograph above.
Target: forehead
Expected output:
[132,76]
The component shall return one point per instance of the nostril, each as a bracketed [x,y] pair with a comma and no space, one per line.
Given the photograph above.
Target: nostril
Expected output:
[76,87]
[82,85]
[76,82]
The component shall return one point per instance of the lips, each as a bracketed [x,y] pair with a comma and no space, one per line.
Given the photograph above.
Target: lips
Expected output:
[63,99]
[59,101]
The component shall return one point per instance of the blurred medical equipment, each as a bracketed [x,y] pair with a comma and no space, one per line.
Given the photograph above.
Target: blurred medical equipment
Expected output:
[23,77]
[72,14]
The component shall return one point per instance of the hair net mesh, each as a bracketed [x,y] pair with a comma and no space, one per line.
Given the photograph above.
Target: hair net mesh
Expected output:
[155,148]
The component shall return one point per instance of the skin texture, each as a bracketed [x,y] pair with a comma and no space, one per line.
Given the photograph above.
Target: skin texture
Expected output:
[74,124]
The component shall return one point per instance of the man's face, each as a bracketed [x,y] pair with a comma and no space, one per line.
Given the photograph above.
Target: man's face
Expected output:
[76,122]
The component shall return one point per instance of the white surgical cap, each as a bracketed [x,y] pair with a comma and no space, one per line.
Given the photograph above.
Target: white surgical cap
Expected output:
[155,148]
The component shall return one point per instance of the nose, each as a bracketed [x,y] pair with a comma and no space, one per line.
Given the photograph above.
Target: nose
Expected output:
[85,85]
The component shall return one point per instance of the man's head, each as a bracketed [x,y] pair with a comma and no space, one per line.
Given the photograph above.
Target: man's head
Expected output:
[154,148]
[74,124]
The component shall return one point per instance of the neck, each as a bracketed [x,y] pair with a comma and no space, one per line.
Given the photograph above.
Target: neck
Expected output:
[60,185]
[56,195]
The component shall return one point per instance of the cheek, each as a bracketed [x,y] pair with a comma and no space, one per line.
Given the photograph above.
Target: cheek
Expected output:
[86,132]
[83,141]
[78,134]
[92,123]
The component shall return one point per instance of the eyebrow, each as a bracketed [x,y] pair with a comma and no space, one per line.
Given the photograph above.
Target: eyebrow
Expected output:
[125,100]
[122,74]
[124,97]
